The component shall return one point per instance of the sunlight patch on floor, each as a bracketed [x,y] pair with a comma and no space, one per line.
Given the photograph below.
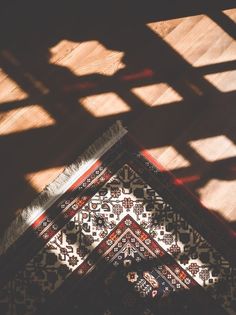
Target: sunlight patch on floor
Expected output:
[157,94]
[200,36]
[231,13]
[169,157]
[224,81]
[219,194]
[62,50]
[9,89]
[18,120]
[105,104]
[214,148]
[38,180]
[86,58]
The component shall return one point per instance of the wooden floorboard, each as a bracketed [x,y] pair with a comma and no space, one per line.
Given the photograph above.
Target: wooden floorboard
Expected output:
[170,77]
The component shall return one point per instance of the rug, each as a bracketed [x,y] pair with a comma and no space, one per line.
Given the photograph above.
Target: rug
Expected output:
[117,234]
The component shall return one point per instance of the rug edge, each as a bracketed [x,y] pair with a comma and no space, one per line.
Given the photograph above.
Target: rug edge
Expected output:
[60,184]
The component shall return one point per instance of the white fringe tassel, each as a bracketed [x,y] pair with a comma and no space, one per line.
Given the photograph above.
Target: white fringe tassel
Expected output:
[59,186]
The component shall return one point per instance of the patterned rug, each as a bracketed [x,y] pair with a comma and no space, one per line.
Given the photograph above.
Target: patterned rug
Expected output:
[117,234]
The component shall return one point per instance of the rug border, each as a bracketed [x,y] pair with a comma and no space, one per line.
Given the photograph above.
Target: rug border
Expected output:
[53,191]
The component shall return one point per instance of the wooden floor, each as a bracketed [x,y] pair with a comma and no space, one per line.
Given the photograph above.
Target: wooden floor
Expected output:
[168,73]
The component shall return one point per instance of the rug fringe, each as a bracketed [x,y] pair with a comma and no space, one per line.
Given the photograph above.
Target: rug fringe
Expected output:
[54,190]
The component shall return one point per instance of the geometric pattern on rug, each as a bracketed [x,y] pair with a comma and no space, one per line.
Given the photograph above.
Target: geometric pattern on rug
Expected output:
[122,224]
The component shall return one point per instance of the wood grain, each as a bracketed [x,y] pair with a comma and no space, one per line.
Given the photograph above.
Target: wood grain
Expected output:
[172,82]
